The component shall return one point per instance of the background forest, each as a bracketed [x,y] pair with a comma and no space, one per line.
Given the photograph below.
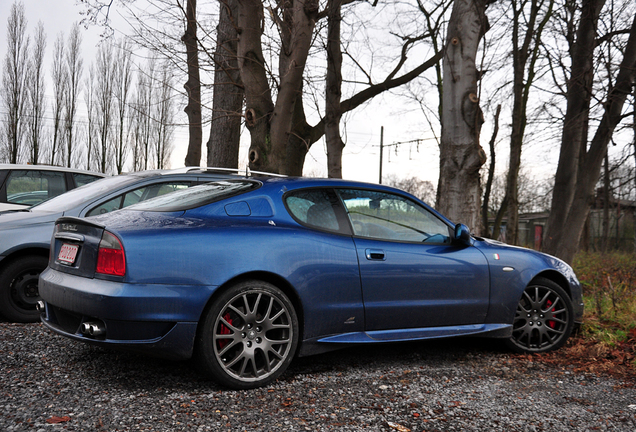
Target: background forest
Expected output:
[551,113]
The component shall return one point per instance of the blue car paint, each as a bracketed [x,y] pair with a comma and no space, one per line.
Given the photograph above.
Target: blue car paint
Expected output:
[254,235]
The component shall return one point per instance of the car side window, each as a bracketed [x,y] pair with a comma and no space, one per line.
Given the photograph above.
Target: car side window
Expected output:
[315,208]
[137,195]
[33,186]
[387,216]
[82,179]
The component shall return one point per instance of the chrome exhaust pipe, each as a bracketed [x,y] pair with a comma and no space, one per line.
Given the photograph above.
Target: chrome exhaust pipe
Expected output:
[97,329]
[85,328]
[92,329]
[40,306]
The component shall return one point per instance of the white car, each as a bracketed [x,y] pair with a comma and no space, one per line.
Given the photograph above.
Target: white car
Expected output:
[22,186]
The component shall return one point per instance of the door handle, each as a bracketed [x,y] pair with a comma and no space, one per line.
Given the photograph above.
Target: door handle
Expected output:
[375,254]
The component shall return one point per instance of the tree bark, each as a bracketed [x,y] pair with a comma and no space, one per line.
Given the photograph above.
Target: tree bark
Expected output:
[258,98]
[225,127]
[193,87]
[461,156]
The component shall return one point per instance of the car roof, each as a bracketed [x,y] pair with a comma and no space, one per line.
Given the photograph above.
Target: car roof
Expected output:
[27,167]
[303,182]
[113,184]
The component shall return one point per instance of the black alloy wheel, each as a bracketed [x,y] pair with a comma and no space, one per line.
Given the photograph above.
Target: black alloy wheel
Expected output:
[19,288]
[544,318]
[249,336]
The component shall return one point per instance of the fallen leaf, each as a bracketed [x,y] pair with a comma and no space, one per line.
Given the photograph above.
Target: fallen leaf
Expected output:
[56,419]
[398,427]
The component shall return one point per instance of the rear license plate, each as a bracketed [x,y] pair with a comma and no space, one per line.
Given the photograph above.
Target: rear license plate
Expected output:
[67,254]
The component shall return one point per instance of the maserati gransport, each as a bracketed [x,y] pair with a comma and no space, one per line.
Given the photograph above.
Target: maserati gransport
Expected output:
[245,274]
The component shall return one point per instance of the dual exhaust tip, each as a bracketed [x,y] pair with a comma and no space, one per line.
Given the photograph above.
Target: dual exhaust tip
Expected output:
[87,328]
[92,328]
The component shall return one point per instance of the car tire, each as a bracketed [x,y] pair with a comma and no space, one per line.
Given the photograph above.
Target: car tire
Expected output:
[248,337]
[544,318]
[19,288]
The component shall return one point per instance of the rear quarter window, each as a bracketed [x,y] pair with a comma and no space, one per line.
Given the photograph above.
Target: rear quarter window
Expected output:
[197,196]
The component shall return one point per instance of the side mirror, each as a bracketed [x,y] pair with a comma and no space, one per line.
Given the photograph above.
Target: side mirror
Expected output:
[462,234]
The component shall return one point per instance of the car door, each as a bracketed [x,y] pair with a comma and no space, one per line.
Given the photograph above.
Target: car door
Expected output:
[413,275]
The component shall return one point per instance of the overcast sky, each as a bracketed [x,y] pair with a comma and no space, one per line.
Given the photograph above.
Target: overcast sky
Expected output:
[361,158]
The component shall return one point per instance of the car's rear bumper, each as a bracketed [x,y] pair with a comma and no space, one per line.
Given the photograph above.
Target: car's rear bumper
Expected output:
[154,318]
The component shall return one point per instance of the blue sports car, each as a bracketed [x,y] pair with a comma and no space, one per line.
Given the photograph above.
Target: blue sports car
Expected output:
[244,274]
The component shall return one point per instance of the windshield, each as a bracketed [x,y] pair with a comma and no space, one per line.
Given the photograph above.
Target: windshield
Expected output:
[86,193]
[196,196]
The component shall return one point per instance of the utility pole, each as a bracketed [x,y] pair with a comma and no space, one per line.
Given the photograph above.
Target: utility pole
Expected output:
[381,148]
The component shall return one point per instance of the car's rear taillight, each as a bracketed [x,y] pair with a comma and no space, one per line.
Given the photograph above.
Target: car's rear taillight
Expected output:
[111,259]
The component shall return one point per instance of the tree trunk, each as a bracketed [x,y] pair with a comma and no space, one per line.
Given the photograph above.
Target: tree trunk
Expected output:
[193,87]
[333,110]
[634,144]
[571,229]
[461,156]
[225,127]
[491,174]
[258,97]
[606,204]
[575,126]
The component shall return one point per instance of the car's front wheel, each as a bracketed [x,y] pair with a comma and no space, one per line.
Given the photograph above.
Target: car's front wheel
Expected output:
[544,318]
[19,288]
[248,336]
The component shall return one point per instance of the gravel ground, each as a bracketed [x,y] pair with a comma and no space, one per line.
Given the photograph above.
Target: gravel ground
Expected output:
[49,383]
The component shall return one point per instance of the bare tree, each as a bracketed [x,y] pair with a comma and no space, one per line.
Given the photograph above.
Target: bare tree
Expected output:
[579,166]
[89,99]
[485,208]
[193,86]
[104,72]
[36,90]
[138,118]
[74,70]
[122,84]
[422,189]
[14,76]
[163,119]
[143,114]
[528,22]
[60,82]
[461,156]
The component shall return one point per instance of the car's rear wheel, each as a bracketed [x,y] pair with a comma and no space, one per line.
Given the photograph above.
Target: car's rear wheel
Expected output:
[19,288]
[544,318]
[248,336]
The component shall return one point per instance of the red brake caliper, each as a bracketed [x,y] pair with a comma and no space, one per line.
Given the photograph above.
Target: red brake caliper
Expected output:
[552,324]
[224,330]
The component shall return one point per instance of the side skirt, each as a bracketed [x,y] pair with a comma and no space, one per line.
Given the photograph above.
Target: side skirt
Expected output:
[402,335]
